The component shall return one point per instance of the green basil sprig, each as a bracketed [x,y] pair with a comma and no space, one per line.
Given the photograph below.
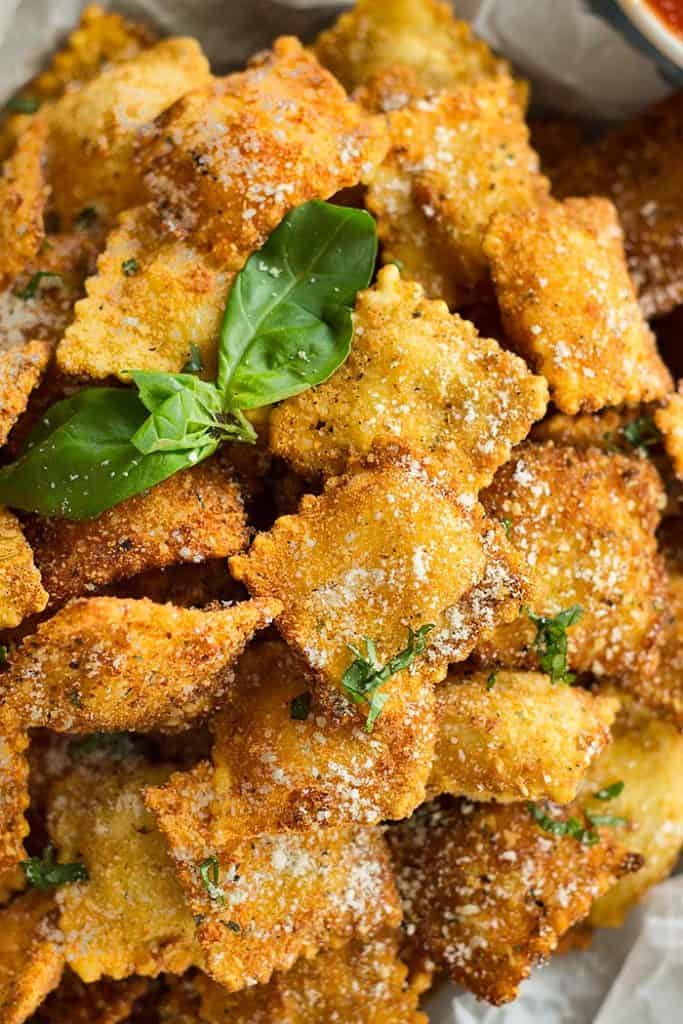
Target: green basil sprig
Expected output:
[287,327]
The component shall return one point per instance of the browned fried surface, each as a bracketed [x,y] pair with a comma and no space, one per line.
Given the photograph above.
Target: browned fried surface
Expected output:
[130,917]
[509,736]
[21,591]
[568,305]
[378,552]
[14,794]
[191,517]
[101,1002]
[455,160]
[283,895]
[669,422]
[583,521]
[20,371]
[487,894]
[115,663]
[31,958]
[273,771]
[639,166]
[419,375]
[22,200]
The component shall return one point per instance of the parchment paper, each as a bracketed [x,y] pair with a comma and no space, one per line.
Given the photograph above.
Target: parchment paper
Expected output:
[577,65]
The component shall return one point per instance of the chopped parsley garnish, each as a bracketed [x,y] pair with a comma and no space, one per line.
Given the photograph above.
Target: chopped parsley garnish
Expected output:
[563,827]
[300,707]
[609,792]
[3,654]
[551,642]
[23,105]
[194,364]
[642,433]
[365,675]
[44,873]
[29,292]
[130,267]
[86,218]
[491,681]
[210,874]
[608,820]
[507,524]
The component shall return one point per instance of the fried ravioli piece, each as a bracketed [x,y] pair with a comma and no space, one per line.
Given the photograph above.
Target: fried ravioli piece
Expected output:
[420,376]
[191,517]
[21,591]
[510,736]
[455,160]
[638,166]
[31,959]
[604,430]
[101,1002]
[22,200]
[422,35]
[584,523]
[14,793]
[487,894]
[107,663]
[229,160]
[130,917]
[283,760]
[669,422]
[95,127]
[569,307]
[21,369]
[365,982]
[279,896]
[646,754]
[380,551]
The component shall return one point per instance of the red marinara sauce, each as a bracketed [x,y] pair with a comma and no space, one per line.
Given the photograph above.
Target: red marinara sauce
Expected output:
[670,11]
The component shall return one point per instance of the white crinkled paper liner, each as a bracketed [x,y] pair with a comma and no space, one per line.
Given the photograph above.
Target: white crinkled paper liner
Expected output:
[578,66]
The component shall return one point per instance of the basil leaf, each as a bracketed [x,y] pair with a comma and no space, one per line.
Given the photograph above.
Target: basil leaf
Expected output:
[287,324]
[180,421]
[80,460]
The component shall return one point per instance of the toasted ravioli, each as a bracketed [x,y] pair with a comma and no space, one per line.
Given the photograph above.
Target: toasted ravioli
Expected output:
[149,319]
[381,551]
[639,166]
[101,1002]
[95,127]
[107,663]
[193,516]
[284,760]
[604,430]
[22,200]
[569,307]
[31,958]
[487,894]
[418,375]
[229,160]
[21,369]
[646,754]
[21,591]
[509,736]
[130,917]
[365,982]
[14,793]
[420,34]
[583,521]
[669,422]
[280,895]
[455,160]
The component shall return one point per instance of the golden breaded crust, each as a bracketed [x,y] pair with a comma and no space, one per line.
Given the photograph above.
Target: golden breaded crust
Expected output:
[21,591]
[22,200]
[130,917]
[669,422]
[646,754]
[146,320]
[101,1002]
[487,893]
[455,160]
[569,307]
[378,552]
[421,34]
[228,161]
[274,771]
[420,376]
[94,127]
[14,794]
[191,517]
[31,958]
[583,521]
[363,983]
[283,895]
[107,663]
[509,736]
[21,369]
[639,166]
